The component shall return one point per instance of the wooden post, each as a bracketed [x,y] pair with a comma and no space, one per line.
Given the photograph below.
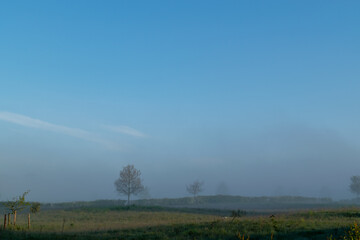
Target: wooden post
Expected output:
[29,221]
[14,218]
[63,225]
[9,219]
[5,222]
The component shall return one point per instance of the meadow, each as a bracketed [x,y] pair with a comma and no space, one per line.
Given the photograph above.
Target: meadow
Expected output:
[76,221]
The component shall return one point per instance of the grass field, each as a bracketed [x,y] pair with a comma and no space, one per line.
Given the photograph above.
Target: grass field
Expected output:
[157,223]
[106,219]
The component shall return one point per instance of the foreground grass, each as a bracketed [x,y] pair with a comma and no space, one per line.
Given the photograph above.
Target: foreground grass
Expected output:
[115,224]
[102,220]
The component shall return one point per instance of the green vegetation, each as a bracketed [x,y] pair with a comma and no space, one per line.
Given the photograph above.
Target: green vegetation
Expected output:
[85,220]
[223,202]
[35,207]
[211,217]
[139,222]
[16,205]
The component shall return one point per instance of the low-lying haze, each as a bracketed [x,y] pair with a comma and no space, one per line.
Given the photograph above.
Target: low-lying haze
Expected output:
[257,98]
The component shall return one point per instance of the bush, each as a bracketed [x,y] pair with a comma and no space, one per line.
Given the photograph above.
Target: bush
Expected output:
[353,233]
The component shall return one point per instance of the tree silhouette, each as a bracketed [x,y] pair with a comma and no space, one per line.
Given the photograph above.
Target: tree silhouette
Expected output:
[355,185]
[129,182]
[195,188]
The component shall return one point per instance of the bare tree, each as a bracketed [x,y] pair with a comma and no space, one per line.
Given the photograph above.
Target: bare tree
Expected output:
[129,181]
[355,185]
[195,188]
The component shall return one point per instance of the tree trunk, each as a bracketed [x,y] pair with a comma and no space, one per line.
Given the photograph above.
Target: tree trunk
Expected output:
[14,218]
[9,219]
[29,221]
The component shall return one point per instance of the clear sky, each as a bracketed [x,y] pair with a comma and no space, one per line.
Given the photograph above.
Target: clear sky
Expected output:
[260,95]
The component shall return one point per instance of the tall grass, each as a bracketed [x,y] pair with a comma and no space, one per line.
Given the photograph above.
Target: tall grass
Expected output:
[130,224]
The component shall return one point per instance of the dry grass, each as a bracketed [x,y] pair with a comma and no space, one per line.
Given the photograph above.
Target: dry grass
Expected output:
[111,224]
[80,221]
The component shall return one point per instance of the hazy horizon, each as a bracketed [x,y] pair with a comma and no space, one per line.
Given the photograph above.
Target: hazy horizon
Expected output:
[262,97]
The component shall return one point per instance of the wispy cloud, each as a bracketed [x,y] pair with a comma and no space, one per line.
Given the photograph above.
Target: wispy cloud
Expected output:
[39,124]
[125,130]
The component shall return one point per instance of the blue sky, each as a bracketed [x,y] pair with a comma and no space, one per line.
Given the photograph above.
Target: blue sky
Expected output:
[185,90]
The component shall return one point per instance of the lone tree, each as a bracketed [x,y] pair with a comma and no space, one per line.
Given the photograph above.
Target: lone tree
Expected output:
[129,182]
[355,185]
[195,188]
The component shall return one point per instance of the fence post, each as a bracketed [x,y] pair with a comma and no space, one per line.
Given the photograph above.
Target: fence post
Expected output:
[9,219]
[14,220]
[5,222]
[63,225]
[29,221]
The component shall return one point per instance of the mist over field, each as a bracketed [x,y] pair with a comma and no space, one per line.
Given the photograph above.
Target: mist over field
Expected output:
[292,160]
[252,99]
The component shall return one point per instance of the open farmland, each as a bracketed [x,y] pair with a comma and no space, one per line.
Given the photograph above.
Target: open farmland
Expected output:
[105,219]
[156,222]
